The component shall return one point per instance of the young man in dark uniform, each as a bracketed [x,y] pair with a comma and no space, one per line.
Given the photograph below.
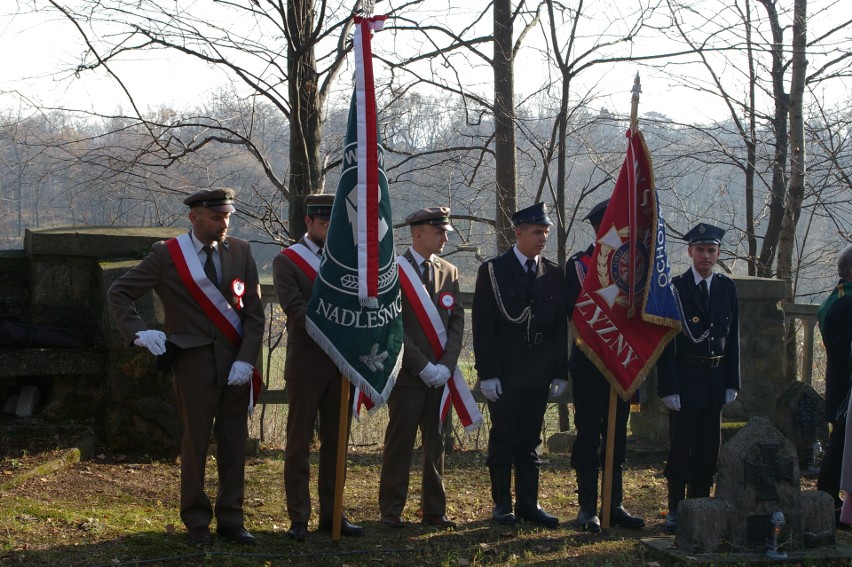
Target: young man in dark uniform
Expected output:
[591,409]
[699,371]
[520,345]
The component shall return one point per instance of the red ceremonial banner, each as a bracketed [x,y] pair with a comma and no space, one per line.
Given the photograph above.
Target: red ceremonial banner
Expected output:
[626,312]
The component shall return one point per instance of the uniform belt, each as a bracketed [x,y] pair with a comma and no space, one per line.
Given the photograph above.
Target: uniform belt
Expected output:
[704,361]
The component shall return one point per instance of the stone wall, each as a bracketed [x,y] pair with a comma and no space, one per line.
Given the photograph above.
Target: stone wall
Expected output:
[60,279]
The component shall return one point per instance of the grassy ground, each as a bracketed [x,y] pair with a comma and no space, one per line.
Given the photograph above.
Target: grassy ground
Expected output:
[117,510]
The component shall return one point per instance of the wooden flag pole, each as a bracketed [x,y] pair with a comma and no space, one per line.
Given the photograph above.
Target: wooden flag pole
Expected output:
[342,443]
[606,489]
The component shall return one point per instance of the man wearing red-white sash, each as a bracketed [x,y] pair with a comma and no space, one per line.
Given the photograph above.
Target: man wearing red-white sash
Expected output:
[214,327]
[313,380]
[415,401]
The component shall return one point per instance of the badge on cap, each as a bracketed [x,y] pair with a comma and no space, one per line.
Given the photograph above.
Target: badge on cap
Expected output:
[238,286]
[446,300]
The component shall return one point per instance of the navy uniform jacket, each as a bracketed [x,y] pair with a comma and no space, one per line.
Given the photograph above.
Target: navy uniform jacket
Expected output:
[519,356]
[699,385]
[579,364]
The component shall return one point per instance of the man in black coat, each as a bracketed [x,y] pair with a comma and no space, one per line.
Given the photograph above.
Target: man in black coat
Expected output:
[835,325]
[699,371]
[520,344]
[591,410]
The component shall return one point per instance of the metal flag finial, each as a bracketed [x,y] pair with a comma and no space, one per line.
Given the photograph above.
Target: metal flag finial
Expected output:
[634,106]
[368,6]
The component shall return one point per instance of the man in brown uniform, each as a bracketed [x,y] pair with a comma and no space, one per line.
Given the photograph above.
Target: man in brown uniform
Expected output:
[313,380]
[214,347]
[415,401]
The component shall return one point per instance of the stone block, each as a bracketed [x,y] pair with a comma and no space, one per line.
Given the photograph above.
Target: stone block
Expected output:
[104,242]
[702,525]
[799,414]
[817,509]
[560,442]
[27,401]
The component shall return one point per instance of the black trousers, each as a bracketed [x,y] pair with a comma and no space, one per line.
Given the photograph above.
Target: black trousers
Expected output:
[516,419]
[695,435]
[591,408]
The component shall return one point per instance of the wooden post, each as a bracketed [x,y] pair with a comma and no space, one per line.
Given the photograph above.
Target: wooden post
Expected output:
[342,443]
[808,351]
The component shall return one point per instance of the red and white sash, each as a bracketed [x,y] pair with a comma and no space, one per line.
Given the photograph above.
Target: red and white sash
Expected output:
[456,390]
[309,263]
[304,258]
[210,299]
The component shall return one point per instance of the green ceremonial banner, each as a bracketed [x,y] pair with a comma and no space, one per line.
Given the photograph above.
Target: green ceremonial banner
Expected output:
[364,340]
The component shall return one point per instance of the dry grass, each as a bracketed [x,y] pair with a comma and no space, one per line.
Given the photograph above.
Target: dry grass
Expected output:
[116,510]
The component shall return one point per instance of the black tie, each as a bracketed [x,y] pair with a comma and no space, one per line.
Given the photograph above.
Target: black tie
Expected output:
[209,267]
[531,269]
[705,295]
[426,275]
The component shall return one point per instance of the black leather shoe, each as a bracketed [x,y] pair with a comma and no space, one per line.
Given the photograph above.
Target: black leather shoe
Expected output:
[537,516]
[503,515]
[236,534]
[588,521]
[624,519]
[347,528]
[438,521]
[298,531]
[200,535]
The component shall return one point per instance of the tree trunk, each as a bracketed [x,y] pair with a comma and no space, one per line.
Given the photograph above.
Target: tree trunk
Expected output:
[305,113]
[779,127]
[504,125]
[796,194]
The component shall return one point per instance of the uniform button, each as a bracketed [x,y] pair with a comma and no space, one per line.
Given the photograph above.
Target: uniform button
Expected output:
[711,325]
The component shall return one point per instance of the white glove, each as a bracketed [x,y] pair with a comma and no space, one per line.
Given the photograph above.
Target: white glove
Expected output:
[240,373]
[429,375]
[730,395]
[557,388]
[491,389]
[672,402]
[153,340]
[443,375]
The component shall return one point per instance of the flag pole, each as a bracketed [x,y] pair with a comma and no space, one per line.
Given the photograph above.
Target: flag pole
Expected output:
[609,451]
[340,473]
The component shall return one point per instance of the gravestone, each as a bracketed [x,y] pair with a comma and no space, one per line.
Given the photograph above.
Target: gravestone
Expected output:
[799,414]
[757,476]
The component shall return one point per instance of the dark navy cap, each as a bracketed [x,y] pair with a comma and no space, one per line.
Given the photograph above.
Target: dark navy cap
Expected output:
[535,214]
[436,216]
[319,204]
[221,200]
[704,233]
[596,215]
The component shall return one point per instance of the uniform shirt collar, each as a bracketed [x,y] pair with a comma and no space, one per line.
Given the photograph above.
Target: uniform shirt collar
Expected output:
[312,246]
[697,277]
[198,245]
[523,259]
[418,259]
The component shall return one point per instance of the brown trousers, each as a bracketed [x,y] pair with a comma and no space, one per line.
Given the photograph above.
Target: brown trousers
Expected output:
[408,410]
[205,406]
[306,401]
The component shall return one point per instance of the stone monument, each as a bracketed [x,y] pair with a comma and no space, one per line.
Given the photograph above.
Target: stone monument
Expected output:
[757,476]
[800,415]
